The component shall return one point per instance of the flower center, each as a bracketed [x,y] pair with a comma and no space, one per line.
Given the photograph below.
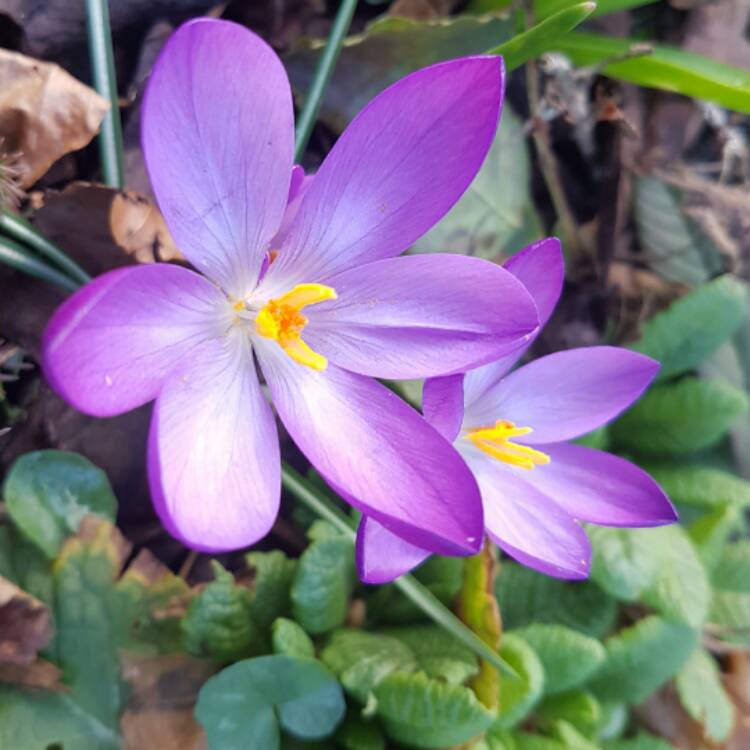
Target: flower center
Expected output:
[496,442]
[280,319]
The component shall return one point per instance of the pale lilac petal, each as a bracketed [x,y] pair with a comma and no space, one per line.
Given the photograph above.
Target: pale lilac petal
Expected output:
[566,394]
[601,488]
[396,170]
[218,137]
[443,404]
[527,524]
[541,269]
[378,450]
[297,188]
[214,465]
[296,182]
[421,316]
[382,556]
[108,348]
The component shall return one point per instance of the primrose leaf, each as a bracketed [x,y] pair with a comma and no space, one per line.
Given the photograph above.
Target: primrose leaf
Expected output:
[711,531]
[578,707]
[48,493]
[730,602]
[287,637]
[519,696]
[682,417]
[701,486]
[641,658]
[244,704]
[642,741]
[703,696]
[567,656]
[694,327]
[274,573]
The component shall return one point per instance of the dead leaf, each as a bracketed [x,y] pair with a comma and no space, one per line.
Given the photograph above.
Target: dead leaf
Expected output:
[40,675]
[45,113]
[25,625]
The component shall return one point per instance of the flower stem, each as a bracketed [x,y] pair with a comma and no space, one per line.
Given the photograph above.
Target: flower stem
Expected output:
[105,82]
[420,595]
[322,75]
[18,257]
[17,228]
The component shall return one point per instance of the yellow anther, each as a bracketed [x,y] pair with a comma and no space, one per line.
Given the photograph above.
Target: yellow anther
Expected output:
[281,320]
[496,442]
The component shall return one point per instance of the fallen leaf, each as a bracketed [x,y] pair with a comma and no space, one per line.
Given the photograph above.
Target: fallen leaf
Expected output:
[25,625]
[40,675]
[45,113]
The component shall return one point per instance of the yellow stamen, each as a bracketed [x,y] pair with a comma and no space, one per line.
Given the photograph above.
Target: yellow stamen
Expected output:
[495,441]
[281,320]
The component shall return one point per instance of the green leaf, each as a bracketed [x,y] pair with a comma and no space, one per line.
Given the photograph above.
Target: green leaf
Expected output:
[681,417]
[694,327]
[287,637]
[578,707]
[526,597]
[244,704]
[47,494]
[274,573]
[567,656]
[730,602]
[427,713]
[571,737]
[545,8]
[519,696]
[665,68]
[357,734]
[643,741]
[543,36]
[641,658]
[218,623]
[322,585]
[710,533]
[703,696]
[700,487]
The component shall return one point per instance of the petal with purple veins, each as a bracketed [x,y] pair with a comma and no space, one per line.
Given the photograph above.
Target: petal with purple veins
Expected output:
[383,556]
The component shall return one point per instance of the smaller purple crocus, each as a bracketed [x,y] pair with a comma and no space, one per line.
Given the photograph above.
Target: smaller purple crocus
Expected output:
[511,429]
[300,277]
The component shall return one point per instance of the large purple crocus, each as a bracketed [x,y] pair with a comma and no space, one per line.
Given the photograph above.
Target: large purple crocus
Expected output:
[511,431]
[302,278]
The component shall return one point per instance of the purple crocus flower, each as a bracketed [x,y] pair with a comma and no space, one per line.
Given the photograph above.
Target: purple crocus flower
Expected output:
[510,430]
[302,276]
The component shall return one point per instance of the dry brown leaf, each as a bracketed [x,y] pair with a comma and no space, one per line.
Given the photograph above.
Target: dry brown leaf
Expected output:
[25,625]
[45,113]
[41,675]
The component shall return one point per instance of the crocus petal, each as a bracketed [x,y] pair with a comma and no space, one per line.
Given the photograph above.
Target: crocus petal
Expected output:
[108,348]
[214,465]
[598,487]
[566,394]
[218,139]
[528,525]
[398,168]
[382,556]
[541,269]
[384,456]
[443,404]
[421,316]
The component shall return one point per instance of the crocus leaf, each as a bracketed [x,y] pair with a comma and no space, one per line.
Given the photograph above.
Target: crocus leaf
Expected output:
[542,37]
[545,8]
[694,327]
[700,486]
[48,493]
[665,68]
[244,704]
[287,637]
[518,697]
[703,696]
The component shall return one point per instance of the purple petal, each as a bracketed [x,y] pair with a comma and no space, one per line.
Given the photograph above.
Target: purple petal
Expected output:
[379,451]
[108,348]
[421,316]
[528,525]
[218,137]
[541,269]
[381,555]
[214,464]
[601,488]
[566,394]
[443,404]
[396,170]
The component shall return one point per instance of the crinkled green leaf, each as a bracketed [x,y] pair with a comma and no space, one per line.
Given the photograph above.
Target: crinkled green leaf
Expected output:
[274,573]
[699,486]
[567,656]
[47,494]
[570,736]
[244,704]
[694,327]
[356,733]
[732,571]
[578,707]
[641,658]
[519,696]
[681,417]
[287,637]
[710,533]
[703,696]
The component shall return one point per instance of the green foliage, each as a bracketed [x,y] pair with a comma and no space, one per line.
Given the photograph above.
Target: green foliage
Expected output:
[519,696]
[274,573]
[730,602]
[322,584]
[681,417]
[641,658]
[704,697]
[710,533]
[47,494]
[577,707]
[694,327]
[357,734]
[643,741]
[289,638]
[699,486]
[244,704]
[567,656]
